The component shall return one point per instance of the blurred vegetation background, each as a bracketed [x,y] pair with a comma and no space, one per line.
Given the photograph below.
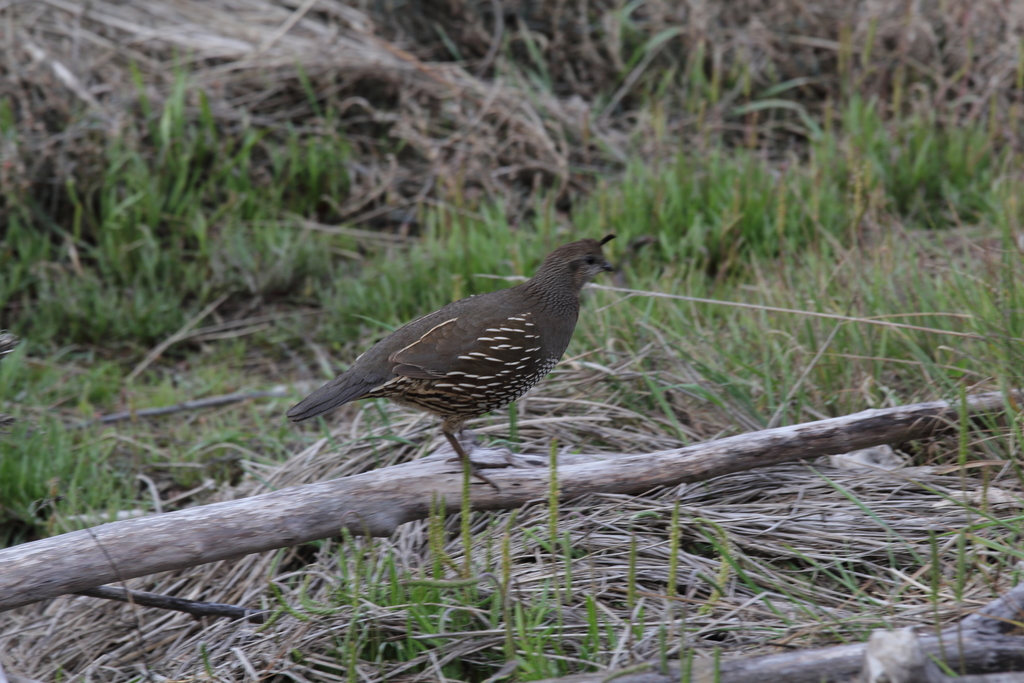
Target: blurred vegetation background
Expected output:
[156,156]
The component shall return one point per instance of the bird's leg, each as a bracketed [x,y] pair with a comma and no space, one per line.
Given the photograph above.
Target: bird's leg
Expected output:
[449,433]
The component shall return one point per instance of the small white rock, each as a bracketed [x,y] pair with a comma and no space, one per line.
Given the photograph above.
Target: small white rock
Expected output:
[875,458]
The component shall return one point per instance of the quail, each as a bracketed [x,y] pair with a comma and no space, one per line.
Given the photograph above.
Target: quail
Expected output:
[474,355]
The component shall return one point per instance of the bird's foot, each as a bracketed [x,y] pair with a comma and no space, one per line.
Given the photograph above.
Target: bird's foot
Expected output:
[474,471]
[467,439]
[464,445]
[481,457]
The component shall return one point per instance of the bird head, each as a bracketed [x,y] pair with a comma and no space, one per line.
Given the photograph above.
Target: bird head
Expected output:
[579,261]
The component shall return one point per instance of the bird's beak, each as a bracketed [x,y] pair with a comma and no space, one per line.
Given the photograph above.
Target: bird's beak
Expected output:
[608,267]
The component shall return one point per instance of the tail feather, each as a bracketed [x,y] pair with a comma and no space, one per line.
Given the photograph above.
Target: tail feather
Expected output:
[338,391]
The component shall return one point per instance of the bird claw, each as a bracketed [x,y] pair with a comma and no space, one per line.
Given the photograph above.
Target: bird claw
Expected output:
[489,458]
[460,447]
[476,473]
[474,470]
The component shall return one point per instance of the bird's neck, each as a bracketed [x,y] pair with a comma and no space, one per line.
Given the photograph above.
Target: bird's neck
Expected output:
[556,290]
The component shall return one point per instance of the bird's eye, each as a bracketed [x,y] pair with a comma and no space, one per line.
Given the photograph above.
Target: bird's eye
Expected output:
[591,260]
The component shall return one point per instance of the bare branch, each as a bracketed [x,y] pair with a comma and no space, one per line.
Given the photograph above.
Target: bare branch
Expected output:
[375,503]
[198,404]
[194,607]
[975,652]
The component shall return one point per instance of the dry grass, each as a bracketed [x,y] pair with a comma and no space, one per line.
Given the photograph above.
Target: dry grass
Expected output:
[787,556]
[444,101]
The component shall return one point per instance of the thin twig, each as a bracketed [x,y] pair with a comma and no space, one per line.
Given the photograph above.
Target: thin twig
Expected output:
[158,507]
[208,331]
[63,74]
[286,26]
[196,608]
[199,404]
[175,338]
[814,314]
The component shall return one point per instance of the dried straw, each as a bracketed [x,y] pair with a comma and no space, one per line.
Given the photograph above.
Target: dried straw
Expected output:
[490,99]
[782,525]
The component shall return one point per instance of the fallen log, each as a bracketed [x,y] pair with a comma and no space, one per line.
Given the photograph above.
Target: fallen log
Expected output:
[375,503]
[979,644]
[974,652]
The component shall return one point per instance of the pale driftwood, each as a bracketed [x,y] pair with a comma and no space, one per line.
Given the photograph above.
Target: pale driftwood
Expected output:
[999,616]
[194,607]
[826,665]
[376,502]
[898,657]
[976,645]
